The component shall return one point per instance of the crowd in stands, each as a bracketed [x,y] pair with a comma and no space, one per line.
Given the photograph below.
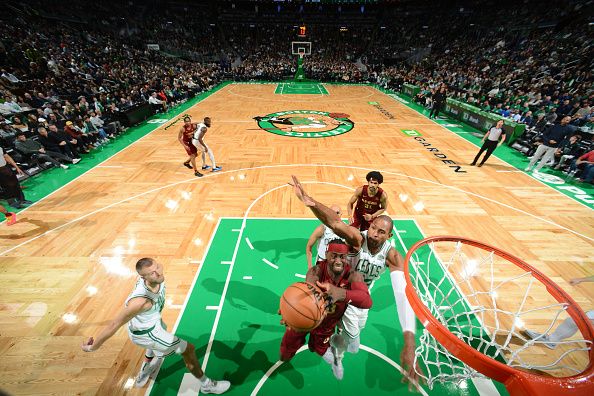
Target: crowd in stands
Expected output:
[70,70]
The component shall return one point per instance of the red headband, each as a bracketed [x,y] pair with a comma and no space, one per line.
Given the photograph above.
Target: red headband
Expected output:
[338,248]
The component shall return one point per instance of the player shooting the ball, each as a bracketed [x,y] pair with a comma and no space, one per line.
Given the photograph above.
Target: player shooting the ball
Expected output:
[342,286]
[370,253]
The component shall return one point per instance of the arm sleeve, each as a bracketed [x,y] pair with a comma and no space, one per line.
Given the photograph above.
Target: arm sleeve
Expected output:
[359,296]
[406,315]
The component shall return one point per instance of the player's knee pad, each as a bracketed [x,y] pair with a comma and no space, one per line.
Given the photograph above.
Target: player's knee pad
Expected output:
[339,343]
[351,342]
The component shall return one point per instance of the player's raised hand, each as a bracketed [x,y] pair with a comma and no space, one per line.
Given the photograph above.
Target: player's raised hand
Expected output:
[282,321]
[300,192]
[411,368]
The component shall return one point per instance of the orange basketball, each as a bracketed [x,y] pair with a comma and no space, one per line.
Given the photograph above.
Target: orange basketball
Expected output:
[302,306]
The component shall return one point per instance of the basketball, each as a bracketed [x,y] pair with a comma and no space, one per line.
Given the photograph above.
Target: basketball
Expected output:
[302,306]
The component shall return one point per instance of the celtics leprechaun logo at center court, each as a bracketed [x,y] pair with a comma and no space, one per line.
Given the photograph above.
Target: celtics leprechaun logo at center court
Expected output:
[305,123]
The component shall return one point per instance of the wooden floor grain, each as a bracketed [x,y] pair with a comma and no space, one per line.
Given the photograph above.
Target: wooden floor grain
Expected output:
[73,266]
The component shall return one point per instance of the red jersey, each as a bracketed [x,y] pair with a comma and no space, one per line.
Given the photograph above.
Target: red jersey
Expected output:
[368,204]
[335,310]
[189,132]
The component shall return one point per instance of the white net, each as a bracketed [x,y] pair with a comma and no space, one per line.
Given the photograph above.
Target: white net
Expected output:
[497,308]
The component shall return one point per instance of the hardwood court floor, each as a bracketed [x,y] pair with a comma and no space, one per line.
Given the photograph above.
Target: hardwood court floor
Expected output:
[67,266]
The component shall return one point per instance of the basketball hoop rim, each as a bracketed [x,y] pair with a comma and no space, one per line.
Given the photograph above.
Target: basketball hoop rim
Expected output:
[516,381]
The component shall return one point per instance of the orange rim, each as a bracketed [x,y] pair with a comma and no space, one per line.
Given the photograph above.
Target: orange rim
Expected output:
[516,381]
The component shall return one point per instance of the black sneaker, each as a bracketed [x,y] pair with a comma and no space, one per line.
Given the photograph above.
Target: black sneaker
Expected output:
[205,167]
[187,165]
[198,174]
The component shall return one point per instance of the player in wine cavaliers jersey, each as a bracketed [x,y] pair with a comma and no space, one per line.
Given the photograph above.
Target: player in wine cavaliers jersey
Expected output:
[370,254]
[371,201]
[341,286]
[186,133]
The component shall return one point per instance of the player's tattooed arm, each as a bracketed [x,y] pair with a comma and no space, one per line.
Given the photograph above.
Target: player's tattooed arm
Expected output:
[313,275]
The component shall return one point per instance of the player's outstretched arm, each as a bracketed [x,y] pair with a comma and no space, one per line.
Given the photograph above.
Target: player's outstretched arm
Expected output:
[313,275]
[134,307]
[352,202]
[313,238]
[406,315]
[329,217]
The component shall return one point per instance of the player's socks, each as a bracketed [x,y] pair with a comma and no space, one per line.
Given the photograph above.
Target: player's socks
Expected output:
[328,356]
[339,345]
[337,368]
[147,369]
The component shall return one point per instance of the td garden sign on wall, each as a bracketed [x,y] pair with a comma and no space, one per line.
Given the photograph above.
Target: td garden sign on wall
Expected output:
[305,123]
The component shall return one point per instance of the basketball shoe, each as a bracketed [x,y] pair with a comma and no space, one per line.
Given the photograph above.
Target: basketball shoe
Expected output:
[215,387]
[146,371]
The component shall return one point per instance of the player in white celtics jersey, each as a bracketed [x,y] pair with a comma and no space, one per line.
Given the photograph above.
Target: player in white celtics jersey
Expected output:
[198,141]
[142,313]
[371,255]
[324,235]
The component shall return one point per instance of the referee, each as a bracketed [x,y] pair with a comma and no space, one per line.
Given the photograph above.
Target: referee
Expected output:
[491,142]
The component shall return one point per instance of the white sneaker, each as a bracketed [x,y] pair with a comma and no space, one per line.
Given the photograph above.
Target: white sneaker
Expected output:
[63,166]
[527,169]
[146,371]
[215,387]
[76,160]
[540,337]
[328,357]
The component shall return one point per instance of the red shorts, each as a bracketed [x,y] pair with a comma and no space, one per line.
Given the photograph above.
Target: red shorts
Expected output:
[360,222]
[191,149]
[319,341]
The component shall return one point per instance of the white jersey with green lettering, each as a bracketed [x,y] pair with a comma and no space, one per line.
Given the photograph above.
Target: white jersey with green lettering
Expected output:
[150,318]
[370,265]
[326,238]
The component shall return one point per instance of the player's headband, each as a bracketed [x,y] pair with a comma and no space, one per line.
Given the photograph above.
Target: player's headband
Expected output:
[338,248]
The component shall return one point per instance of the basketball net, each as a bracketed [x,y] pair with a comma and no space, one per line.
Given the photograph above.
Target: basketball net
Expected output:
[468,294]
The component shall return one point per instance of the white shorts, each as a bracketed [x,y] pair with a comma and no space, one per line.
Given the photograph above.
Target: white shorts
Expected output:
[353,320]
[159,340]
[202,148]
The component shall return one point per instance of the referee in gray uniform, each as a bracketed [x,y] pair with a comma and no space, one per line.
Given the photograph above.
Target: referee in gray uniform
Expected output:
[491,142]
